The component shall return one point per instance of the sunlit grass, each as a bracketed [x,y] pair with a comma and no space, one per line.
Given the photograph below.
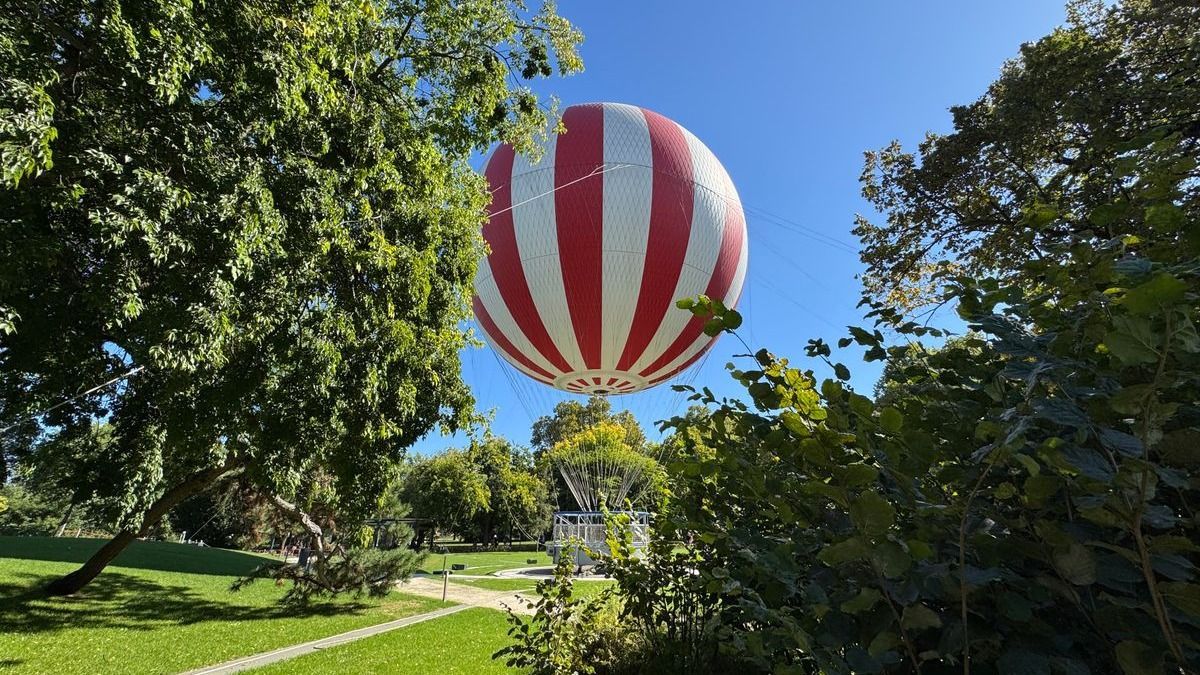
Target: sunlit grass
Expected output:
[137,620]
[459,644]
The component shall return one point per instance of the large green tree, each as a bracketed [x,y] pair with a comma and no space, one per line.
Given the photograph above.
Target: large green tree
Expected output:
[489,490]
[572,417]
[1053,149]
[253,226]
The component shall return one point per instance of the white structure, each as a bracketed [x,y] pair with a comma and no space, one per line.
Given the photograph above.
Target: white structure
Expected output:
[576,533]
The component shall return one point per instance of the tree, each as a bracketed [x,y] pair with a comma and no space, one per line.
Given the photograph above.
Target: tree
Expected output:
[571,417]
[1052,150]
[449,489]
[519,502]
[601,470]
[248,231]
[487,491]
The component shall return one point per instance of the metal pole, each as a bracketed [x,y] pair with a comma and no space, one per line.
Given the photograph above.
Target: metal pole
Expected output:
[445,577]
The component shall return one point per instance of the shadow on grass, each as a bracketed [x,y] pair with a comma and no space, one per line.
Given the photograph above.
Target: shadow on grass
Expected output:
[151,555]
[116,600]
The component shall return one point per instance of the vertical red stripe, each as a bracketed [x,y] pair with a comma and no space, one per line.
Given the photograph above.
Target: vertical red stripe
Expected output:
[503,342]
[579,214]
[505,259]
[732,237]
[670,227]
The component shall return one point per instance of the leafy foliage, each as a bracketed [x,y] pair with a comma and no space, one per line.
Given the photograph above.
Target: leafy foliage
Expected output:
[256,222]
[355,571]
[572,417]
[599,467]
[565,634]
[1047,153]
[487,491]
[1020,499]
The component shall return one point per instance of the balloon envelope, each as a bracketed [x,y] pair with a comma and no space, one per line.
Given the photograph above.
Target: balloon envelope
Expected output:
[591,247]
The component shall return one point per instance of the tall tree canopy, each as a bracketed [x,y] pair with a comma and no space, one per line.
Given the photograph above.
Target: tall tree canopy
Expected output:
[256,217]
[488,490]
[572,417]
[1091,131]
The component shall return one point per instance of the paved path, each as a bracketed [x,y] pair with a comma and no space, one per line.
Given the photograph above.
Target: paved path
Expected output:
[259,660]
[431,587]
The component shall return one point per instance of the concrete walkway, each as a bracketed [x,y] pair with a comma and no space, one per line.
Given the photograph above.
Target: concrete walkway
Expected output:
[259,660]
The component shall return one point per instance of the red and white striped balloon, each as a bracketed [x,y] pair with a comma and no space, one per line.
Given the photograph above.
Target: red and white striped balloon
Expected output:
[590,248]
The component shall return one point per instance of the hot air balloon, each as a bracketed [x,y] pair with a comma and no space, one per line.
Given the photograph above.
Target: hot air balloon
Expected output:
[591,247]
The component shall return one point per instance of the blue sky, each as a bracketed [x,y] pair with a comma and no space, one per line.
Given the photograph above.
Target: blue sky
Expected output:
[787,95]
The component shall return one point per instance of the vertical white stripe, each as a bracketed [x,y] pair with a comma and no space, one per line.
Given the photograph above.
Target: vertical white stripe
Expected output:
[732,202]
[489,295]
[537,243]
[627,192]
[703,246]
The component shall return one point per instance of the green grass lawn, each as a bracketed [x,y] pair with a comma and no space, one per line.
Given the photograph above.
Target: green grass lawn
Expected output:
[498,584]
[462,643]
[139,617]
[487,562]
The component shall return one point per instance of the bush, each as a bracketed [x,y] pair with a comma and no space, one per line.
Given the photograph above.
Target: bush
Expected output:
[567,635]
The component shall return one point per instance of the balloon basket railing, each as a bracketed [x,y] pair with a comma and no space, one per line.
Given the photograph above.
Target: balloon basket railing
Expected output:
[580,534]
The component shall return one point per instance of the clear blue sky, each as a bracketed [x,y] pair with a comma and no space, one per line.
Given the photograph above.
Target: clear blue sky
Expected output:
[788,95]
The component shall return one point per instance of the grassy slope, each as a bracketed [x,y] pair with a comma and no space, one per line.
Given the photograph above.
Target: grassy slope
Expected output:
[139,618]
[462,643]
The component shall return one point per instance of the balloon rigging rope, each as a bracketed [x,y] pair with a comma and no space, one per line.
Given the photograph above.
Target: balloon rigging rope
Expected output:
[129,373]
[600,170]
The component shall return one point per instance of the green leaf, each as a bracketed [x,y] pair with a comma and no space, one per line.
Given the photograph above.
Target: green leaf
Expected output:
[883,642]
[872,513]
[1005,490]
[865,600]
[891,559]
[854,548]
[1039,488]
[891,420]
[1132,341]
[1162,290]
[919,617]
[920,550]
[1129,400]
[1165,218]
[841,371]
[1135,658]
[856,475]
[1028,462]
[1076,564]
[1183,596]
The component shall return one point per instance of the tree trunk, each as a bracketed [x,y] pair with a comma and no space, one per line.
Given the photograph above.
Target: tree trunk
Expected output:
[195,483]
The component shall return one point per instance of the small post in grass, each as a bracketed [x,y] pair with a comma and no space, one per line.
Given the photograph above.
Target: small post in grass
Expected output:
[445,575]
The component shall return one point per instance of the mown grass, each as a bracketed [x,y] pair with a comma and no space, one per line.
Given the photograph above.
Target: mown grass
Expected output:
[487,562]
[141,617]
[459,644]
[497,584]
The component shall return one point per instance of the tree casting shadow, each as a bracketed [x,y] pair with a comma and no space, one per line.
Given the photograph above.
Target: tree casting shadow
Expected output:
[116,600]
